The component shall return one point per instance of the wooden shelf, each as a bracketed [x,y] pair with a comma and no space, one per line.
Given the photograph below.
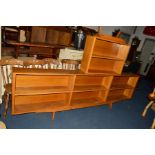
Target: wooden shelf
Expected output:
[105,65]
[119,94]
[124,82]
[110,39]
[86,99]
[88,88]
[40,107]
[83,103]
[92,83]
[107,57]
[40,102]
[115,98]
[40,90]
[102,71]
[119,86]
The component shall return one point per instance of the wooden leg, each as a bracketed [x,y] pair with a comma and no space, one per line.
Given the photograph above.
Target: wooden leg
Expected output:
[6,100]
[53,115]
[110,105]
[17,51]
[153,124]
[147,107]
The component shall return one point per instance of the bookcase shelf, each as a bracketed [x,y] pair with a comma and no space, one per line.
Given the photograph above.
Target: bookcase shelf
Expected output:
[121,94]
[124,81]
[40,103]
[92,82]
[86,99]
[106,57]
[41,107]
[88,88]
[122,87]
[105,65]
[40,90]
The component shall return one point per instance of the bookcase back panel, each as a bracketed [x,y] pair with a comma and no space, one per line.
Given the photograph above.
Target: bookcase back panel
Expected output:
[85,95]
[116,92]
[120,80]
[101,65]
[105,48]
[124,81]
[86,99]
[37,99]
[41,81]
[88,80]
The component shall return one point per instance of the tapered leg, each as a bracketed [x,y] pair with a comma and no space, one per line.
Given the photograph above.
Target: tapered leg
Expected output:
[153,124]
[110,105]
[53,115]
[6,101]
[147,107]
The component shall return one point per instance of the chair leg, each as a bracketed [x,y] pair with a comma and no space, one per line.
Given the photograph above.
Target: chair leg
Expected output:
[153,124]
[6,99]
[147,107]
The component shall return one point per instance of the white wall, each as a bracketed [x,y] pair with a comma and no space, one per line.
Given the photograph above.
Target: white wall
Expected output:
[127,29]
[142,37]
[109,29]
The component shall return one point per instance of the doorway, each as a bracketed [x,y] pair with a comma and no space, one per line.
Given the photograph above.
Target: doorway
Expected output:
[147,56]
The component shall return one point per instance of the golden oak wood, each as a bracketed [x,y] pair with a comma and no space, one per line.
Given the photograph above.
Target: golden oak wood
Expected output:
[56,90]
[104,54]
[98,82]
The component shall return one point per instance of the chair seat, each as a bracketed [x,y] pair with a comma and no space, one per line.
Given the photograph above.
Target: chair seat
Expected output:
[151,97]
[8,88]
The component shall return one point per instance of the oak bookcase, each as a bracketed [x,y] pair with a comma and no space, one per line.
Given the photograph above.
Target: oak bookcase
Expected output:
[38,90]
[104,55]
[98,82]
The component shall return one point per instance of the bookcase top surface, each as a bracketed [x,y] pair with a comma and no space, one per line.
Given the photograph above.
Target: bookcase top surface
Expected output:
[38,71]
[111,39]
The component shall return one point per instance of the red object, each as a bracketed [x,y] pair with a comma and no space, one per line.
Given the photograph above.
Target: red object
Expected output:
[149,30]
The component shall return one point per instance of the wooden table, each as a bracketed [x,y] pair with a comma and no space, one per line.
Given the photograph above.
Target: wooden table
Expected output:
[17,46]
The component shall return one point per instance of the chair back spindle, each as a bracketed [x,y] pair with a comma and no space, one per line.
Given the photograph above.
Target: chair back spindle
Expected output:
[6,68]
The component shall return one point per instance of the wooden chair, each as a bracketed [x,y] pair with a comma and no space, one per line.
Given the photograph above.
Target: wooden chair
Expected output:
[6,70]
[51,63]
[70,64]
[151,104]
[34,63]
